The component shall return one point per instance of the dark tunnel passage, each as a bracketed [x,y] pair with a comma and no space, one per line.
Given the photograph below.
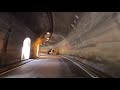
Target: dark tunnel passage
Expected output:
[92,38]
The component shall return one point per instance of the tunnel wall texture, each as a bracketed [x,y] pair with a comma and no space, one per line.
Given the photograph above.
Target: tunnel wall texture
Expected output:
[96,37]
[16,37]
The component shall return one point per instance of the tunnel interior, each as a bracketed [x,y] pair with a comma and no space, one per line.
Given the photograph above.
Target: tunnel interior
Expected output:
[93,36]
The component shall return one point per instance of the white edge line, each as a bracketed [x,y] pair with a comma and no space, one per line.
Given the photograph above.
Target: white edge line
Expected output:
[11,69]
[80,67]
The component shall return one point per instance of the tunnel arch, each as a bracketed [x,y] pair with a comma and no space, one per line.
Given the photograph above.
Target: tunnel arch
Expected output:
[26,48]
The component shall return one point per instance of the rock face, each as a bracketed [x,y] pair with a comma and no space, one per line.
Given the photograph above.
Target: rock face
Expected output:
[16,37]
[96,35]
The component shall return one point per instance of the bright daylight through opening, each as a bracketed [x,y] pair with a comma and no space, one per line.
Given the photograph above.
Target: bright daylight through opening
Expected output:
[26,48]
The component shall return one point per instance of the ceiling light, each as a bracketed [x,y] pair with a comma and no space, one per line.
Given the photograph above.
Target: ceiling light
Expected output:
[77,16]
[48,32]
[72,25]
[47,38]
[74,21]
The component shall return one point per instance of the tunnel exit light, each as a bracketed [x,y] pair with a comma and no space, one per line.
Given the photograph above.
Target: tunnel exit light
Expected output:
[26,48]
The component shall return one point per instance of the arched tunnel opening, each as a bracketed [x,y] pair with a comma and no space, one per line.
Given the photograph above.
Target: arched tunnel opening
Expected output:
[61,44]
[26,48]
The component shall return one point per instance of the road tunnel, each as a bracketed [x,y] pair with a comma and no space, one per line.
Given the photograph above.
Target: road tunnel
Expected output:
[91,38]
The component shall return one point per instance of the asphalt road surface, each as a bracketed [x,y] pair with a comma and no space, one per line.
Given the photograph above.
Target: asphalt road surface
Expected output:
[47,66]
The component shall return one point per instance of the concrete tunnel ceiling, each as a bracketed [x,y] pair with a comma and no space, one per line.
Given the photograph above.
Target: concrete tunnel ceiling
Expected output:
[39,23]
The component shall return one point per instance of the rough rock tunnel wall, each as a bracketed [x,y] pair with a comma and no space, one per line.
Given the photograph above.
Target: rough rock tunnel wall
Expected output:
[96,37]
[16,37]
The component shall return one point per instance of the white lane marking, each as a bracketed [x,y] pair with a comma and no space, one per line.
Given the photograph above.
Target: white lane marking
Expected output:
[13,68]
[80,67]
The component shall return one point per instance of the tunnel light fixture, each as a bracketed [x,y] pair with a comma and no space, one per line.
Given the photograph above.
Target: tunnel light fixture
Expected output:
[72,25]
[77,16]
[48,33]
[74,21]
[48,38]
